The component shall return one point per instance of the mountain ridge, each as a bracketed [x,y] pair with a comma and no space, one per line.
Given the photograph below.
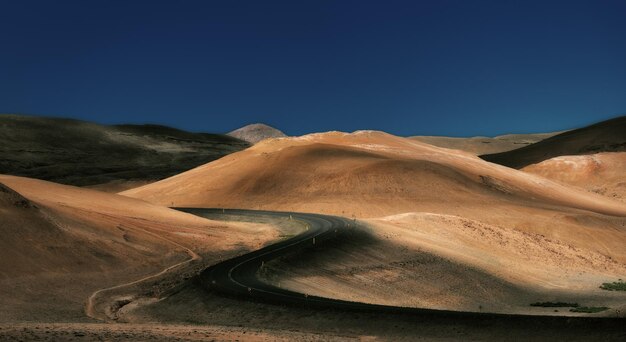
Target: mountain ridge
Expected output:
[82,153]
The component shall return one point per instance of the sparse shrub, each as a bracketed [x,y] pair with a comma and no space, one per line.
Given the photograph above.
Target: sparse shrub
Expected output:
[555,305]
[619,285]
[589,309]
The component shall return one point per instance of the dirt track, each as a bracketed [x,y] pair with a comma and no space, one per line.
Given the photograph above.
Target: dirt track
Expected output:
[90,306]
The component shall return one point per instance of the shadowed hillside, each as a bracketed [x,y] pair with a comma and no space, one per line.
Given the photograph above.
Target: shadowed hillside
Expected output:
[82,153]
[606,136]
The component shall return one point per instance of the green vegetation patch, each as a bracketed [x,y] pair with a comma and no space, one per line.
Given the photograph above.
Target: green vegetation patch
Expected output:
[589,309]
[555,305]
[619,285]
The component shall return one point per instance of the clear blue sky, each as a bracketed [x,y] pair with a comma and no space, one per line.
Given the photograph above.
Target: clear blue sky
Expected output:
[457,68]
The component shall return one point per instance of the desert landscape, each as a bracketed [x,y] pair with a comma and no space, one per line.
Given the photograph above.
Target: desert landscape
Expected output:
[416,236]
[312,170]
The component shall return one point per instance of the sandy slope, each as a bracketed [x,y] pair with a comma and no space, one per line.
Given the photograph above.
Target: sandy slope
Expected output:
[483,145]
[602,173]
[449,262]
[118,185]
[368,168]
[61,243]
[155,332]
[473,221]
[516,255]
[373,174]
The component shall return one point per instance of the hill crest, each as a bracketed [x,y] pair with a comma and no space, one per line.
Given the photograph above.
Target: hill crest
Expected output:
[256,132]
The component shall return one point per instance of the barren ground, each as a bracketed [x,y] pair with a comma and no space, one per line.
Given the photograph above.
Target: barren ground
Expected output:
[484,145]
[442,229]
[600,173]
[485,225]
[64,245]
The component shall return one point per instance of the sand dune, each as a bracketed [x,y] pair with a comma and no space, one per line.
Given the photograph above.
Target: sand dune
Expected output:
[449,262]
[601,173]
[366,174]
[62,243]
[373,174]
[475,219]
[550,262]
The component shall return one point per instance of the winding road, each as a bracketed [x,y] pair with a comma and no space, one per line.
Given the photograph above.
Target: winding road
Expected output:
[237,277]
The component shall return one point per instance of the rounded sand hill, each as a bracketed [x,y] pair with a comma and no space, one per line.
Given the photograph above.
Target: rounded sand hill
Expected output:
[601,173]
[526,237]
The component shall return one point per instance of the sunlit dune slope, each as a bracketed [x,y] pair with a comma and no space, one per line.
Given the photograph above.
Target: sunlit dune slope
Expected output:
[367,174]
[602,173]
[61,243]
[520,257]
[449,262]
[373,174]
[33,243]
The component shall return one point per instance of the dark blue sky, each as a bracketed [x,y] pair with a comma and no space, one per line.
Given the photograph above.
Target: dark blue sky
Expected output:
[456,68]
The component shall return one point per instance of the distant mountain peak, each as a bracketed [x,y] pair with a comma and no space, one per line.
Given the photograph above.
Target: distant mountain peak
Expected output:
[256,132]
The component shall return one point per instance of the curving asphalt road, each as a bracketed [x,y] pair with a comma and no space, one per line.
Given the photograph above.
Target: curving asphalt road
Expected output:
[237,277]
